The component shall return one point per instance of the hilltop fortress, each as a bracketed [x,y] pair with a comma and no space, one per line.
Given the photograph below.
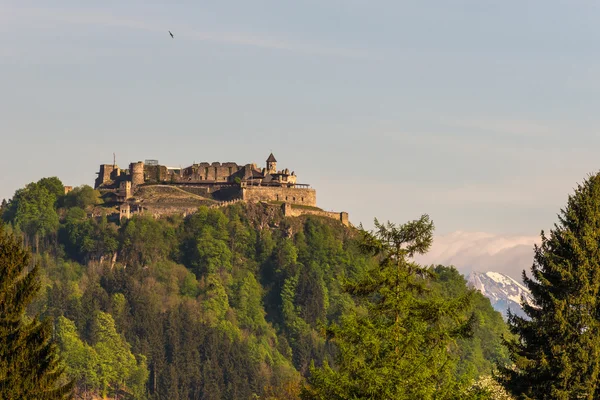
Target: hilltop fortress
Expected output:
[216,183]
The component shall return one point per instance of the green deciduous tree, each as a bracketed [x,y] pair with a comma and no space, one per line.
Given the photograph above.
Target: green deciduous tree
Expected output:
[248,302]
[146,240]
[29,366]
[118,367]
[213,254]
[400,343]
[106,367]
[557,355]
[80,359]
[205,247]
[32,210]
[215,301]
[53,185]
[88,239]
[82,196]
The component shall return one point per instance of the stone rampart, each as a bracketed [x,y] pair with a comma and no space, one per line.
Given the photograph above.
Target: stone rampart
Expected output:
[290,211]
[302,196]
[226,203]
[215,172]
[197,190]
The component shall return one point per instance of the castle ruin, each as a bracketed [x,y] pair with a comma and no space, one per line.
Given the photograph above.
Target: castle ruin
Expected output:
[221,182]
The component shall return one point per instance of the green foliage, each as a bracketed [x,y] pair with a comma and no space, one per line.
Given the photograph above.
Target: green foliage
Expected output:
[248,305]
[215,301]
[88,239]
[54,186]
[118,367]
[29,366]
[3,207]
[204,248]
[82,196]
[230,302]
[189,285]
[400,343]
[32,210]
[480,353]
[312,294]
[81,360]
[557,353]
[213,254]
[106,367]
[145,240]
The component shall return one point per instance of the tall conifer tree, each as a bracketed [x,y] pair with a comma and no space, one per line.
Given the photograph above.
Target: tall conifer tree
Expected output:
[400,342]
[29,367]
[558,353]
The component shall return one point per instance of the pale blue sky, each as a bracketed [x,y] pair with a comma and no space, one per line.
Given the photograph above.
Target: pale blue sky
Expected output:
[483,114]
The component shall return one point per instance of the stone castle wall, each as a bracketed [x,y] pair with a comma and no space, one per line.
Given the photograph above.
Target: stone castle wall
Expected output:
[302,196]
[290,211]
[197,173]
[216,172]
[155,173]
[203,191]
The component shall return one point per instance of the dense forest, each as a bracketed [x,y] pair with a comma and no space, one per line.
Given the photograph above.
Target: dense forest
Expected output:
[241,302]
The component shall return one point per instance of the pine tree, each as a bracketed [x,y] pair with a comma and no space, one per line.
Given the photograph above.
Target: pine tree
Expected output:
[558,353]
[399,344]
[29,366]
[3,207]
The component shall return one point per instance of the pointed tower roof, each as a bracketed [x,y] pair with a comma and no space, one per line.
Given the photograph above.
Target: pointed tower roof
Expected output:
[271,158]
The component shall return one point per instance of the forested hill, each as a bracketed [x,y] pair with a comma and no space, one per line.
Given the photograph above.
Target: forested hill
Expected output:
[226,303]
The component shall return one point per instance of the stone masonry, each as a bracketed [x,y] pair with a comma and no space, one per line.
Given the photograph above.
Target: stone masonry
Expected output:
[224,182]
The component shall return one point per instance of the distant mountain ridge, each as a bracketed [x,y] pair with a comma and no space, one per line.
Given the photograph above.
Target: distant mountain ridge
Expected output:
[503,291]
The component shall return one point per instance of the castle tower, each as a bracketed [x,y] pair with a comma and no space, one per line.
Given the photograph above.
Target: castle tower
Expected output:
[137,173]
[271,164]
[104,176]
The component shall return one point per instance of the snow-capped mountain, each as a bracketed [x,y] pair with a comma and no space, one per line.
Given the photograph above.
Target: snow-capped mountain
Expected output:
[503,291]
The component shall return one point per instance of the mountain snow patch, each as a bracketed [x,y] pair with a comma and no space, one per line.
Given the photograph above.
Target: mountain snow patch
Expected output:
[503,291]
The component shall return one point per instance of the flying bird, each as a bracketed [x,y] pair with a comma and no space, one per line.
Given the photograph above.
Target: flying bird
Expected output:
[172,37]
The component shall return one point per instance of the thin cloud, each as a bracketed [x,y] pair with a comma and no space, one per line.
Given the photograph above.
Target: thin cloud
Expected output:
[480,251]
[99,18]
